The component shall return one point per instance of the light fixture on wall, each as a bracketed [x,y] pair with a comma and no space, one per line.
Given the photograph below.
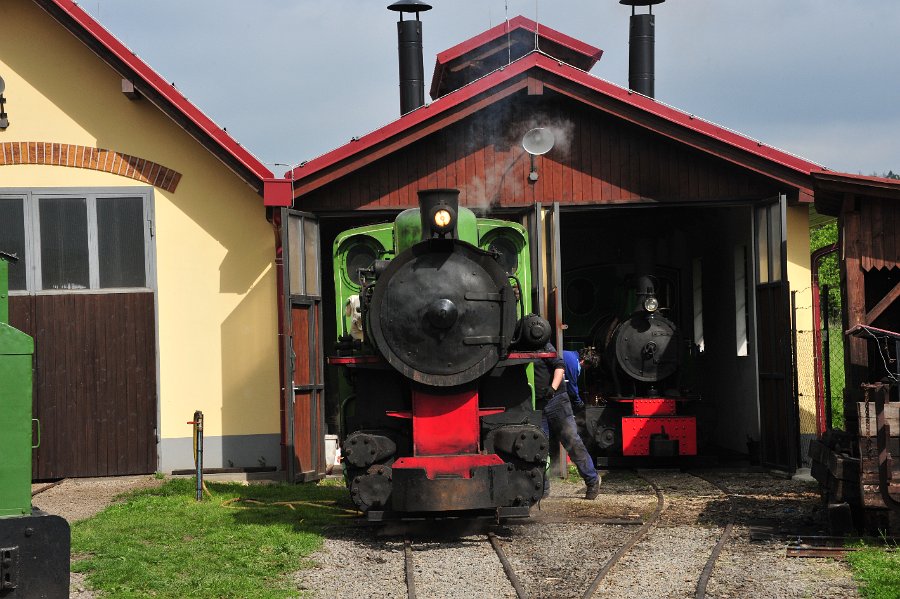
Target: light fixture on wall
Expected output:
[537,142]
[4,121]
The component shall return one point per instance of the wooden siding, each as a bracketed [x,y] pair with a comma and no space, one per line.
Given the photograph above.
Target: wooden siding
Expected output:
[598,159]
[879,234]
[95,382]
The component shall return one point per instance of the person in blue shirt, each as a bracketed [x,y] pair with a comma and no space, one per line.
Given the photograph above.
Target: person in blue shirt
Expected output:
[574,360]
[557,417]
[573,371]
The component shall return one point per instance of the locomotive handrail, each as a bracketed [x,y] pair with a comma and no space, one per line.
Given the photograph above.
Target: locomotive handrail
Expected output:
[370,360]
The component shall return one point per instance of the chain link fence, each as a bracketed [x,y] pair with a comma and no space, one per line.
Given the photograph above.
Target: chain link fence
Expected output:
[833,354]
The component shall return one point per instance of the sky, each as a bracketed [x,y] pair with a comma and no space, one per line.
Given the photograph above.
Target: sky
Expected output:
[293,79]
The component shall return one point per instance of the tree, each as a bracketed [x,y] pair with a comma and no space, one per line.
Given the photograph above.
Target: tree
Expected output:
[829,271]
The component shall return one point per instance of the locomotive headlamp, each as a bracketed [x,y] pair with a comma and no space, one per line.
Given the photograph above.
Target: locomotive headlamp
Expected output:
[651,304]
[438,209]
[442,218]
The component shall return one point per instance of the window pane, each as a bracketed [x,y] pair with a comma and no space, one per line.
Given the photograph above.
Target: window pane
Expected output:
[295,257]
[311,251]
[740,299]
[120,240]
[775,242]
[762,244]
[64,243]
[12,239]
[698,303]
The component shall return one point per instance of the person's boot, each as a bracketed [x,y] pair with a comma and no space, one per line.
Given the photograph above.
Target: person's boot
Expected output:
[593,489]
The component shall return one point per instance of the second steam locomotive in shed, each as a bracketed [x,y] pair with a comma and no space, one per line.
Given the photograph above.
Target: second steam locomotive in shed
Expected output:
[435,336]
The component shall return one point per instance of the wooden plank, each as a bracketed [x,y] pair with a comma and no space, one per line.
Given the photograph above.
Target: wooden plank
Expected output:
[867,428]
[576,151]
[604,180]
[836,465]
[876,230]
[91,359]
[865,236]
[871,495]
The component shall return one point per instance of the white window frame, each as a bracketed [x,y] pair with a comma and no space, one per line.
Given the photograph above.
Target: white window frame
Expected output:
[32,197]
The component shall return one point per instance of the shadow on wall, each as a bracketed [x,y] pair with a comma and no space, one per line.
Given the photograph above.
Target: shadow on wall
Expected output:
[250,391]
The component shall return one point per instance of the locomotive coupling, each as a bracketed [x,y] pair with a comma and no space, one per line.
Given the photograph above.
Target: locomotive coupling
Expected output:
[364,449]
[525,442]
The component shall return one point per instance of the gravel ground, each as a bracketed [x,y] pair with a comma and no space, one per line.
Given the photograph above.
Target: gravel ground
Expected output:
[79,498]
[558,551]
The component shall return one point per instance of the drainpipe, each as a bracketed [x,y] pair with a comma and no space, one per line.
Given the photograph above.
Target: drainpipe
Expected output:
[823,411]
[274,217]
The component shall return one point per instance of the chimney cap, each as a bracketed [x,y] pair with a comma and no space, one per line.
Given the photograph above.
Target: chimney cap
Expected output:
[410,6]
[641,2]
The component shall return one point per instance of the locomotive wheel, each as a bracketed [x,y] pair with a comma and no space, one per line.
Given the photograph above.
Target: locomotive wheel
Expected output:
[440,311]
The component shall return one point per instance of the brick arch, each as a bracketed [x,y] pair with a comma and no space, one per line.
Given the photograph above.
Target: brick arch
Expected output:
[97,159]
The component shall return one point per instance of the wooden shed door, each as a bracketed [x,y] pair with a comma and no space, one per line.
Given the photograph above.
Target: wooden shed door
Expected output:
[94,382]
[778,415]
[546,266]
[305,417]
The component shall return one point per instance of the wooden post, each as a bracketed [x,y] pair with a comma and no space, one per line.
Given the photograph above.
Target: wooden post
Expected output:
[853,297]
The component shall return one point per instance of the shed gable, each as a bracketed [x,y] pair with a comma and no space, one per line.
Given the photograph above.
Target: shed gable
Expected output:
[597,159]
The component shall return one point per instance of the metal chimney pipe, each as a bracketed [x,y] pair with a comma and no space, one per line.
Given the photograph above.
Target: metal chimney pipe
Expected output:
[641,48]
[409,49]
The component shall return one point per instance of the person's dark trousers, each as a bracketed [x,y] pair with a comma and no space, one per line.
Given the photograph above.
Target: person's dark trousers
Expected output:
[557,417]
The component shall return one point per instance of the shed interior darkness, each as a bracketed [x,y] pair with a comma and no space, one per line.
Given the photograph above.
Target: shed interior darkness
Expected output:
[611,240]
[670,239]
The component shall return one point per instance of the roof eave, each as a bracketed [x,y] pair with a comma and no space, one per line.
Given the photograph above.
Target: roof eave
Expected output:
[160,93]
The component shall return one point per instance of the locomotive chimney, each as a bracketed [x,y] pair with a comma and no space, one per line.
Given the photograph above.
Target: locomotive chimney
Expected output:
[641,42]
[409,47]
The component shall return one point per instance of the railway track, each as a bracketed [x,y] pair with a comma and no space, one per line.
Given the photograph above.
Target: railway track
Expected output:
[657,534]
[412,590]
[651,522]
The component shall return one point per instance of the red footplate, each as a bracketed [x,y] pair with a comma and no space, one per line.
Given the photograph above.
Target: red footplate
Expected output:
[450,465]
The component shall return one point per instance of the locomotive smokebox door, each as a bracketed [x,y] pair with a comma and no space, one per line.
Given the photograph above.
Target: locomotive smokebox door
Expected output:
[442,316]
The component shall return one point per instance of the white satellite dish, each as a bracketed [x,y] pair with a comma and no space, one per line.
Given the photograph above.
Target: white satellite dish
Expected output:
[538,141]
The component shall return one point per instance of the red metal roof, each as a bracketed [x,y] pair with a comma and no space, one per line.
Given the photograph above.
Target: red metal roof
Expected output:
[582,86]
[168,99]
[573,51]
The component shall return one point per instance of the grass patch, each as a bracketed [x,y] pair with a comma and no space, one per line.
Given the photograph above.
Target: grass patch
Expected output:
[878,571]
[238,543]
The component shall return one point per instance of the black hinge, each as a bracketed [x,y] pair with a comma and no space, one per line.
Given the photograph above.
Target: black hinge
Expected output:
[484,340]
[9,568]
[482,296]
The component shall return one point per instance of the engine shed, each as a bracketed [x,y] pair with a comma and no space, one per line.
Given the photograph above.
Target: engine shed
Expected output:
[631,185]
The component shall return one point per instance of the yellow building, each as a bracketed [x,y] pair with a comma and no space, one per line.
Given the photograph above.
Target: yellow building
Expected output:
[147,270]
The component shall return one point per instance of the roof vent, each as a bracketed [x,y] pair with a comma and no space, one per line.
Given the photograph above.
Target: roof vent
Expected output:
[409,47]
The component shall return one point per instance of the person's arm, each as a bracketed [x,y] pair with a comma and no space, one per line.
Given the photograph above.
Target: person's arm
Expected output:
[558,376]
